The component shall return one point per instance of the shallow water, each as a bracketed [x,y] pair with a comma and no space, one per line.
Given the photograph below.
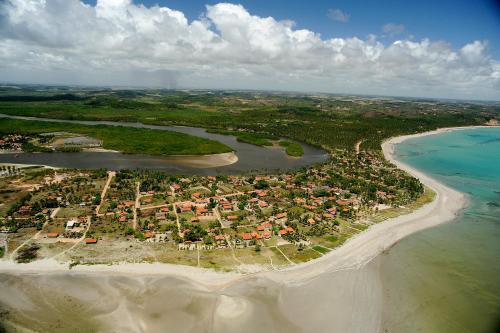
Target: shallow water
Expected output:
[447,279]
[250,157]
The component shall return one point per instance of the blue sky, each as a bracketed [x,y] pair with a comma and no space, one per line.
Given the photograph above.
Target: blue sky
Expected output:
[439,48]
[455,21]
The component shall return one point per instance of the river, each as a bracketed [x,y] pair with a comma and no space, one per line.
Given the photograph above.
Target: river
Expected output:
[250,157]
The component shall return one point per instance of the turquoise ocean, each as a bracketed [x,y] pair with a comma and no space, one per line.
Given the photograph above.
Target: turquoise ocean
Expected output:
[447,279]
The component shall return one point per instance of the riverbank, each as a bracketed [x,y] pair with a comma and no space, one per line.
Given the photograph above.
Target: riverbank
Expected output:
[355,253]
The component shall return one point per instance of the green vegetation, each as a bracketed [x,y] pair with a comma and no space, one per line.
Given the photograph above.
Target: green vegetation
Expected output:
[329,121]
[258,139]
[292,148]
[27,253]
[321,249]
[32,148]
[427,197]
[124,139]
[2,251]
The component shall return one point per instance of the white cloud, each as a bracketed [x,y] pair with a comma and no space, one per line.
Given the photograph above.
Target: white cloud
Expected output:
[338,15]
[393,29]
[118,42]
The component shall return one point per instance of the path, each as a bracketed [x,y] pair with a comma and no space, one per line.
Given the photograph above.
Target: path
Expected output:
[174,206]
[271,261]
[219,218]
[111,174]
[153,207]
[54,212]
[228,240]
[358,144]
[137,204]
[284,255]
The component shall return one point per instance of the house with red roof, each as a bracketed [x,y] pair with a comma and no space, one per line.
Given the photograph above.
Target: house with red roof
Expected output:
[246,236]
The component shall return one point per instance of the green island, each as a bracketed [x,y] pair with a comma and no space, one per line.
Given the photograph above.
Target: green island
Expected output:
[292,148]
[221,221]
[258,139]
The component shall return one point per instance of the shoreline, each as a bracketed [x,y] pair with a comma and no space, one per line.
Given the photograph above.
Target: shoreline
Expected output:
[21,165]
[355,253]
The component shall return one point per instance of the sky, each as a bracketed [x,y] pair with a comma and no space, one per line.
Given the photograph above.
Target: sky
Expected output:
[443,48]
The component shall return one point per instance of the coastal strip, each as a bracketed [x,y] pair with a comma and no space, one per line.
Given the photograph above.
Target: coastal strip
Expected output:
[354,254]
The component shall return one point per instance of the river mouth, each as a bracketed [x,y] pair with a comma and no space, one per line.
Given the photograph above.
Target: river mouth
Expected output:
[245,158]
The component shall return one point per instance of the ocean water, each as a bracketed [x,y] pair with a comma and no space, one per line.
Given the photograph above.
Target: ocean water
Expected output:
[447,279]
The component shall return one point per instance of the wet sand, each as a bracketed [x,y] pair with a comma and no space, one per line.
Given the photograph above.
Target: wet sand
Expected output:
[347,301]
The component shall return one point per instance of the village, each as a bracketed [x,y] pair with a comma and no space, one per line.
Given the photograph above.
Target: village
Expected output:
[47,142]
[12,143]
[101,216]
